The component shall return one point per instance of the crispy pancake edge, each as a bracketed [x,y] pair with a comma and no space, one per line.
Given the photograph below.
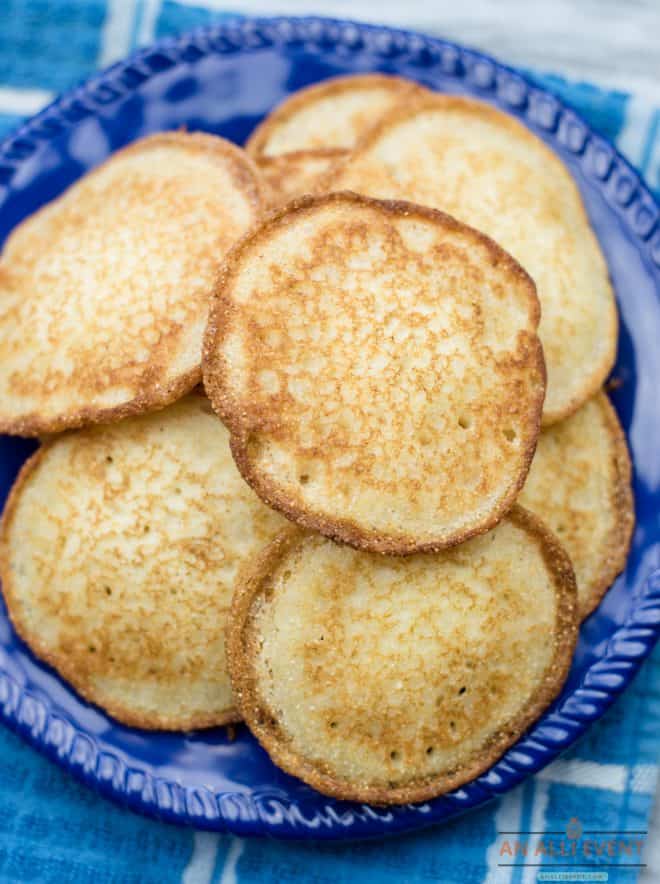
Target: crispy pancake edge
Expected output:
[263,724]
[249,179]
[623,505]
[61,663]
[420,101]
[231,413]
[309,95]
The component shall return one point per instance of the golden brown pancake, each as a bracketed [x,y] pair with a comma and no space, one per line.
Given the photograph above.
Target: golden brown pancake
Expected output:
[486,169]
[393,680]
[120,546]
[579,484]
[328,115]
[104,292]
[378,367]
[295,174]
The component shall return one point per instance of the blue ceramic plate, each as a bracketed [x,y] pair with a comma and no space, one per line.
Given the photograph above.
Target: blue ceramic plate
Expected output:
[224,80]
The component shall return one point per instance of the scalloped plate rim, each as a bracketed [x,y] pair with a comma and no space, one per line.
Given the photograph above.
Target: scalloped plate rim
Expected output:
[503,775]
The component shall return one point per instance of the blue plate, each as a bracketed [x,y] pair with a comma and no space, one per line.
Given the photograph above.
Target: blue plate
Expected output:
[224,79]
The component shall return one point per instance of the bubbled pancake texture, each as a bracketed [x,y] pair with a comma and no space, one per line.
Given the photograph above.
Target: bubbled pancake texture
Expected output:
[121,552]
[579,484]
[330,115]
[382,671]
[379,372]
[487,170]
[110,283]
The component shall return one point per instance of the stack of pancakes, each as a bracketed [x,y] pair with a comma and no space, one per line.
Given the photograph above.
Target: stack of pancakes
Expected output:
[375,539]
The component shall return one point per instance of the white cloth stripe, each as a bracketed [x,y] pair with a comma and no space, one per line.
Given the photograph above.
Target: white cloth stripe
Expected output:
[574,772]
[537,824]
[533,33]
[117,31]
[644,779]
[23,102]
[649,875]
[234,853]
[202,861]
[632,138]
[507,819]
[147,27]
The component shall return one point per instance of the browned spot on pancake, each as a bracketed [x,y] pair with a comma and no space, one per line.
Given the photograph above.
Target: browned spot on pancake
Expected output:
[486,169]
[120,548]
[380,350]
[393,680]
[104,291]
[294,174]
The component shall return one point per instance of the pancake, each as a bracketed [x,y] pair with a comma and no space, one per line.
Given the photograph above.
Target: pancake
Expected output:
[104,292]
[295,174]
[393,680]
[328,115]
[486,169]
[120,546]
[579,484]
[378,367]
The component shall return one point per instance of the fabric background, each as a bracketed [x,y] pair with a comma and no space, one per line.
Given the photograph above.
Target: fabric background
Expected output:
[54,830]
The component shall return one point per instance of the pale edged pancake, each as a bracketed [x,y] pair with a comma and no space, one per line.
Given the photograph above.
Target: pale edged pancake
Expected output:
[104,292]
[378,367]
[486,169]
[295,174]
[394,680]
[580,485]
[328,115]
[120,547]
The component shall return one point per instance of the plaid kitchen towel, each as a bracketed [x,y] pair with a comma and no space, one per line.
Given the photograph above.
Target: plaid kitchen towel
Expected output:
[54,830]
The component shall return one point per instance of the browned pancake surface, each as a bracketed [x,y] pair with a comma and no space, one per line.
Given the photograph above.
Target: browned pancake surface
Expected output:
[579,484]
[328,115]
[120,547]
[378,367]
[392,680]
[104,292]
[486,169]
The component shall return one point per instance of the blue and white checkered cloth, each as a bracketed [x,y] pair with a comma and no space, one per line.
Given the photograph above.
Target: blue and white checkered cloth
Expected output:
[54,830]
